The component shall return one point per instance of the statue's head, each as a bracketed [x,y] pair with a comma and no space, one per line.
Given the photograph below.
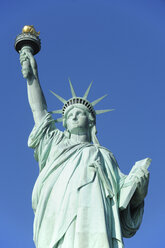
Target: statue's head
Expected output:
[78,120]
[78,114]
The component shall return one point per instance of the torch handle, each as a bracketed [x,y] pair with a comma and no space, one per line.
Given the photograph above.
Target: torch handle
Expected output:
[26,62]
[28,49]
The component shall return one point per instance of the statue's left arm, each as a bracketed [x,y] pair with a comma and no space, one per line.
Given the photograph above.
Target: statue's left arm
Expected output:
[142,188]
[131,216]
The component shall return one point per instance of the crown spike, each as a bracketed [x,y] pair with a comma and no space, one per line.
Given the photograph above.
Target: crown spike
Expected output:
[87,91]
[97,100]
[72,90]
[59,120]
[98,112]
[59,97]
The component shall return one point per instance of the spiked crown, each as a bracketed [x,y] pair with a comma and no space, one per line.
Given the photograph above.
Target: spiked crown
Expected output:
[78,101]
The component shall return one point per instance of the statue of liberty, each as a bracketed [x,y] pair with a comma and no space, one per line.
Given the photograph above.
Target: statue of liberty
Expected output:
[81,199]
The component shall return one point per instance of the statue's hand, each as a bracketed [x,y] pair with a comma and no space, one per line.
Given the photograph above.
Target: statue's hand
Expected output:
[29,65]
[142,179]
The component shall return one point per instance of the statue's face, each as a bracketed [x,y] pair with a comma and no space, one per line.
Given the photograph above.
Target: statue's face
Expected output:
[77,121]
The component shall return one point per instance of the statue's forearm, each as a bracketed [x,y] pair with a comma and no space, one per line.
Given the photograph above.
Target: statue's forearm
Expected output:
[36,99]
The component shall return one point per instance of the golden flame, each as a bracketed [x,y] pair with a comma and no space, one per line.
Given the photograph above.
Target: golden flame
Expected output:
[30,29]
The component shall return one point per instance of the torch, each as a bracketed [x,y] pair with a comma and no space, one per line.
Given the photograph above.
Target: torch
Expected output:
[28,40]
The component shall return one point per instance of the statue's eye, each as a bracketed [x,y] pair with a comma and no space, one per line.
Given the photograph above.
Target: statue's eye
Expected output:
[82,114]
[70,115]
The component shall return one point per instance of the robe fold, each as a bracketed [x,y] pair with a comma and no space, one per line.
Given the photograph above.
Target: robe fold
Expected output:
[75,198]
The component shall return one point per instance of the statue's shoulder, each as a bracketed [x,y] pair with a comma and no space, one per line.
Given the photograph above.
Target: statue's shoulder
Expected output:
[106,150]
[109,153]
[45,130]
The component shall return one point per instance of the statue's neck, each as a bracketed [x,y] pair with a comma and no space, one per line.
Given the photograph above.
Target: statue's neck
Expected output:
[79,138]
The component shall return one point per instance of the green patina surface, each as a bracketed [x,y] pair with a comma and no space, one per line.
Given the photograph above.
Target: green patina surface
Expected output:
[81,198]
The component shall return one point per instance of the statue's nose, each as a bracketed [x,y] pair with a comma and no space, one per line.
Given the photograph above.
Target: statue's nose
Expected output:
[74,117]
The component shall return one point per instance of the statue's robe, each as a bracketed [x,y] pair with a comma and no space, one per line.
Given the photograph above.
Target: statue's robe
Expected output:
[75,198]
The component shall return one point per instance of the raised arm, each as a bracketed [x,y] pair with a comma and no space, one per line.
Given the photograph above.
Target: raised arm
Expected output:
[35,94]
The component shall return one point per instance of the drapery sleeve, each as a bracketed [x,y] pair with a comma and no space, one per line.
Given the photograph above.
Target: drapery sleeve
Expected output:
[42,137]
[131,219]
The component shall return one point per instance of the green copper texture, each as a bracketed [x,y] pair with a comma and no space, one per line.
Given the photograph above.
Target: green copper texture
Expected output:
[81,199]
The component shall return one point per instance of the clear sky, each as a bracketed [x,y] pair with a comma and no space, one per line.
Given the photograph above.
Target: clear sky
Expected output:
[121,46]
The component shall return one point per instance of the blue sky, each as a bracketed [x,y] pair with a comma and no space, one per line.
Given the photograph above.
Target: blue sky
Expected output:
[121,46]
